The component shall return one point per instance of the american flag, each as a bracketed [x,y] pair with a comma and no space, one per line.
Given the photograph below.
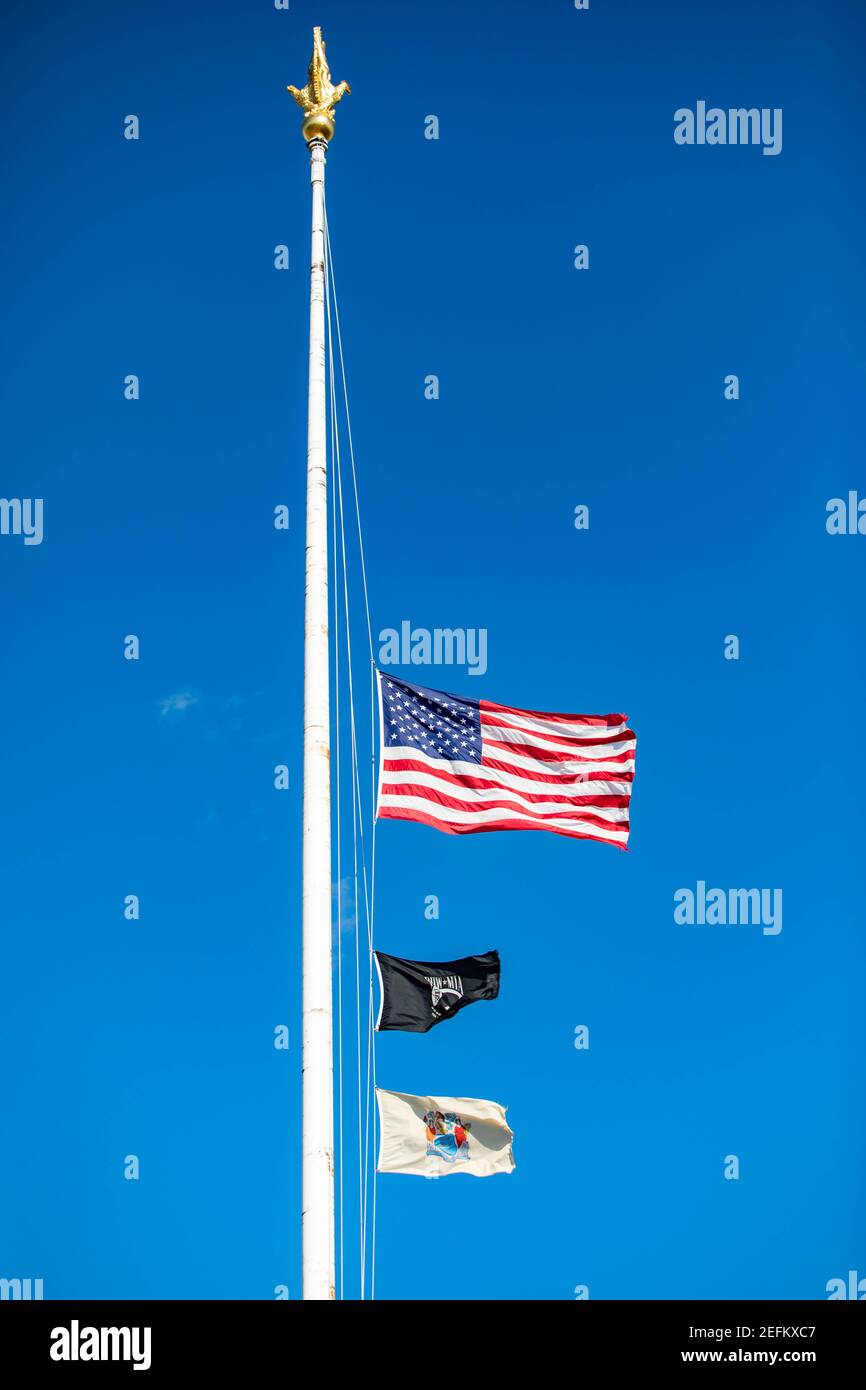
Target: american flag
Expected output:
[466,765]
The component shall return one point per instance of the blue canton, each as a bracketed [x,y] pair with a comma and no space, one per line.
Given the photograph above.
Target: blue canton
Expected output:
[430,721]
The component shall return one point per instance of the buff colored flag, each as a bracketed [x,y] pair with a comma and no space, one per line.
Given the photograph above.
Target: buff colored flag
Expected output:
[435,1136]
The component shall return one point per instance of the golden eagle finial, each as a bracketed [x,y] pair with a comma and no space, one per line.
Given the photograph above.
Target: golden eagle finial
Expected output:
[318,99]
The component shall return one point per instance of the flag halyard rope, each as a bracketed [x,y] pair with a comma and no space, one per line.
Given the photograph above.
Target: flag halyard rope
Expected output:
[361,848]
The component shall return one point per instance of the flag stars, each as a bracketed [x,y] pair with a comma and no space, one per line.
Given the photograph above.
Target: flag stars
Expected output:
[440,728]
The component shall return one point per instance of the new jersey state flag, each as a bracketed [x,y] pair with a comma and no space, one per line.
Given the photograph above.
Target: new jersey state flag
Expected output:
[435,1136]
[464,766]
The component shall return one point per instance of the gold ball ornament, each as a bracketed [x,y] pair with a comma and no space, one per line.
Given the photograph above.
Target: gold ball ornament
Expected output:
[318,126]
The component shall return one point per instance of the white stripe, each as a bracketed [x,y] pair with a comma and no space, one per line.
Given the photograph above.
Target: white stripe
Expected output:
[563,781]
[376,959]
[530,764]
[583,750]
[449,816]
[553,725]
[392,781]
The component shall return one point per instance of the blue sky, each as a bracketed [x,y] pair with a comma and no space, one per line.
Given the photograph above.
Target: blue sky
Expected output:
[558,387]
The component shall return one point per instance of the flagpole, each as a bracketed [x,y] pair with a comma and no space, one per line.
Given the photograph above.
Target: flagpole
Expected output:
[317,100]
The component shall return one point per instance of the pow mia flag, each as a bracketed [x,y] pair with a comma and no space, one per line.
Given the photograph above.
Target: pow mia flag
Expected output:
[415,995]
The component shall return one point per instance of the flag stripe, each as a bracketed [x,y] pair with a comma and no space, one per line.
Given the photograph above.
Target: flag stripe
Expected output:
[451,827]
[593,784]
[569,748]
[467,797]
[539,719]
[591,753]
[513,732]
[504,758]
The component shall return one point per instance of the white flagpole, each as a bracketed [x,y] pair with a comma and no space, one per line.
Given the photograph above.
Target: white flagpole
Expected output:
[317,1061]
[317,1205]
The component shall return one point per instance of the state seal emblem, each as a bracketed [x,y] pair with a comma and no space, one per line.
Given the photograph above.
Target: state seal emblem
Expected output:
[447,1136]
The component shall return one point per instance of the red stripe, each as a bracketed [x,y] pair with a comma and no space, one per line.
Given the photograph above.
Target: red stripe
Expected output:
[489,766]
[398,813]
[584,798]
[598,720]
[455,803]
[554,779]
[551,755]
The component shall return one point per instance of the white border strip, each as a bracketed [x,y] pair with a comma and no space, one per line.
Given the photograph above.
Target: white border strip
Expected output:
[381,990]
[381,741]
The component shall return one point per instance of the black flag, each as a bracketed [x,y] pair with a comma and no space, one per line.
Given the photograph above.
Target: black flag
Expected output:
[417,994]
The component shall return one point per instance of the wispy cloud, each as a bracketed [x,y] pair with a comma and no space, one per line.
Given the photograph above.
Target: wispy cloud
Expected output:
[222,718]
[177,703]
